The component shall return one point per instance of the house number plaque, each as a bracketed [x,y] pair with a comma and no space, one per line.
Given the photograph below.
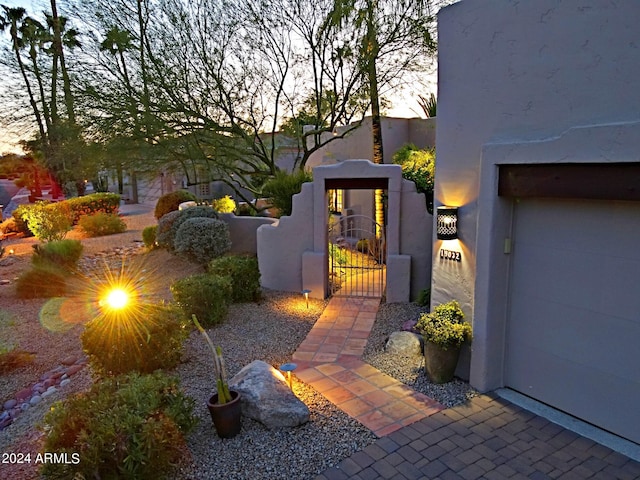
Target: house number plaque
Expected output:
[450,255]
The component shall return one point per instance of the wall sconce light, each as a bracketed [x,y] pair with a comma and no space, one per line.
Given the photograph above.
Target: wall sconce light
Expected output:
[447,223]
[288,368]
[306,293]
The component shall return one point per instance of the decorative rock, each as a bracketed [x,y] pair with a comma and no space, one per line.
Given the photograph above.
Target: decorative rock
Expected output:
[48,383]
[5,423]
[410,326]
[9,404]
[65,382]
[6,261]
[404,343]
[23,394]
[69,360]
[73,369]
[4,281]
[50,391]
[267,398]
[24,406]
[35,399]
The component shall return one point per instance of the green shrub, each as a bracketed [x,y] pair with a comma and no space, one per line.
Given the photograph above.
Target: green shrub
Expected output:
[199,211]
[170,202]
[48,221]
[204,295]
[202,239]
[20,223]
[225,204]
[165,232]
[137,338]
[92,204]
[132,426]
[243,273]
[424,297]
[43,281]
[281,188]
[61,253]
[149,236]
[419,167]
[99,224]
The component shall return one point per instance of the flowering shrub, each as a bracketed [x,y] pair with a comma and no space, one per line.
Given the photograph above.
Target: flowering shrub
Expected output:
[92,204]
[445,325]
[132,426]
[225,204]
[206,296]
[99,224]
[170,202]
[202,239]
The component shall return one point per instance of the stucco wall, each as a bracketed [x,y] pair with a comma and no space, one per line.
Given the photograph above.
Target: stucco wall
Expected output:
[359,144]
[281,245]
[243,232]
[517,79]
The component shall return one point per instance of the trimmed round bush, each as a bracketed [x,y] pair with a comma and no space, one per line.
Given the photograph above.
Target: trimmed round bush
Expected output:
[243,273]
[202,239]
[142,339]
[164,233]
[62,253]
[131,426]
[170,202]
[199,211]
[204,295]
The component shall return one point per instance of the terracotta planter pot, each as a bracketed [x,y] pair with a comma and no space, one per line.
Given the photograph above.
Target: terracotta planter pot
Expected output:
[440,364]
[226,418]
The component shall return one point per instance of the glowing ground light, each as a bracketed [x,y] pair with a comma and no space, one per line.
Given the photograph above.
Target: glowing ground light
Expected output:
[118,298]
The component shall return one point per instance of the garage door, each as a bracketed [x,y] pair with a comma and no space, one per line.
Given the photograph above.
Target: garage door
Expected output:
[573,332]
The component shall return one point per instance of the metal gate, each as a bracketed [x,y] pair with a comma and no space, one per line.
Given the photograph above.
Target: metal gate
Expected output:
[356,257]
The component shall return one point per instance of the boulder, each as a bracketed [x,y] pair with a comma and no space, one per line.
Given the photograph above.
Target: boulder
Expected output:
[404,343]
[266,397]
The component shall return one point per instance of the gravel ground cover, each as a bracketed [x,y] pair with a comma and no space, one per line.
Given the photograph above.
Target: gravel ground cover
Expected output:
[409,369]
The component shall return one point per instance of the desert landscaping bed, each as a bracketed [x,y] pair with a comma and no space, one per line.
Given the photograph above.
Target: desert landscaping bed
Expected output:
[269,330]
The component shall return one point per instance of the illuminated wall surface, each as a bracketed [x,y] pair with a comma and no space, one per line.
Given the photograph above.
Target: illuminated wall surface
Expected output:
[528,83]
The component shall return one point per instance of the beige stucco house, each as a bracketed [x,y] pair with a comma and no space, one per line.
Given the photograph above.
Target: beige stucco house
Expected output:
[539,148]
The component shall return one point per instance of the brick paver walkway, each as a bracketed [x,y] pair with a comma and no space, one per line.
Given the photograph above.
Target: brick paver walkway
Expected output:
[329,360]
[486,438]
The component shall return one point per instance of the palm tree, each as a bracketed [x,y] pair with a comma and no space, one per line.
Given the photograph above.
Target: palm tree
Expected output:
[12,18]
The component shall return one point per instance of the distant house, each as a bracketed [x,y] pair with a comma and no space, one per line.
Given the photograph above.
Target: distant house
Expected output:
[539,148]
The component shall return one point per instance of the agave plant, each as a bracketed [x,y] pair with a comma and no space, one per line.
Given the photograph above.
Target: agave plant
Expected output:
[220,371]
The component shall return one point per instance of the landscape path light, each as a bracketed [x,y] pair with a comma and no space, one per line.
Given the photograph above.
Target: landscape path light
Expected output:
[288,368]
[306,293]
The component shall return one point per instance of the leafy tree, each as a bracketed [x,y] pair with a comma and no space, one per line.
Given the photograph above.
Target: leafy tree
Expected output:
[419,167]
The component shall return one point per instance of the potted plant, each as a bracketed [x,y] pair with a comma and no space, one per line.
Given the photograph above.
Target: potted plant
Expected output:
[224,406]
[444,331]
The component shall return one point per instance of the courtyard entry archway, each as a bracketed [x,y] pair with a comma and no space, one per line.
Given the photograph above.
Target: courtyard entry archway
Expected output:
[293,254]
